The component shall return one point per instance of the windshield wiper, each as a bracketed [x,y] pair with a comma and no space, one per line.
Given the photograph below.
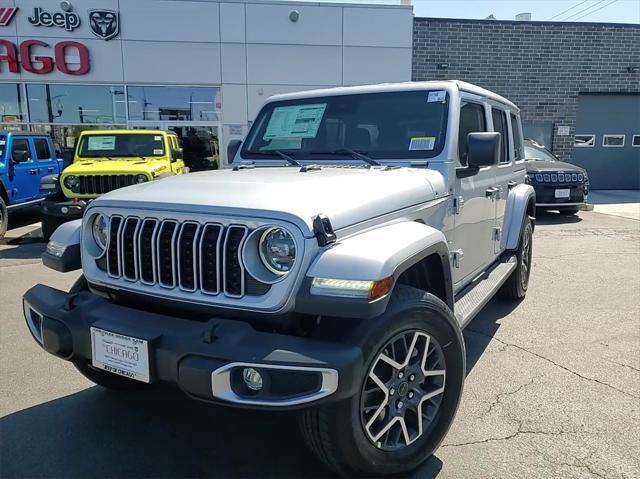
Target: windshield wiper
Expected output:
[358,155]
[282,155]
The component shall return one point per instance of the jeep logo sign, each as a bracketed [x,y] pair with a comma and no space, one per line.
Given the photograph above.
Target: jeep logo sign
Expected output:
[67,19]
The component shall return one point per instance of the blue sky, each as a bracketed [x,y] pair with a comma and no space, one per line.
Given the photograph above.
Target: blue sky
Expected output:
[616,11]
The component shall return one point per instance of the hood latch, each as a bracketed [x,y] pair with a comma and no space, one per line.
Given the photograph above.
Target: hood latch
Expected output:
[323,230]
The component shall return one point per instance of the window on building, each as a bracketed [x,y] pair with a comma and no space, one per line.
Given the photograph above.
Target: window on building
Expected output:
[613,141]
[174,103]
[517,138]
[42,149]
[635,141]
[500,126]
[472,120]
[76,104]
[584,141]
[11,110]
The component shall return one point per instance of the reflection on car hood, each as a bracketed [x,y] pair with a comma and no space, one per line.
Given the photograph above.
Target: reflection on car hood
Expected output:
[551,166]
[115,166]
[346,195]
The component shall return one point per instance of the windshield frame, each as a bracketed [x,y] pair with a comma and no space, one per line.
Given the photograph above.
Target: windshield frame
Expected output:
[303,155]
[109,154]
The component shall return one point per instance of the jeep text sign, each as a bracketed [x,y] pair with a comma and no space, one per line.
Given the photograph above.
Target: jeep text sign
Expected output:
[42,64]
[67,20]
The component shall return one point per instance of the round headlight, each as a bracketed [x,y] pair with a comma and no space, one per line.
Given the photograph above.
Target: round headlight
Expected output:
[100,229]
[277,250]
[72,182]
[141,178]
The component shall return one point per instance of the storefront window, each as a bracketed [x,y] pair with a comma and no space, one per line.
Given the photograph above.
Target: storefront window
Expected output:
[76,104]
[174,103]
[10,104]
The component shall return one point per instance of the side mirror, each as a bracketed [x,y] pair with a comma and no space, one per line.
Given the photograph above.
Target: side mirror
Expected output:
[232,149]
[20,156]
[176,154]
[483,149]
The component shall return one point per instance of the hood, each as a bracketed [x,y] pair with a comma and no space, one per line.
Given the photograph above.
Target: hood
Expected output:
[346,195]
[116,166]
[552,166]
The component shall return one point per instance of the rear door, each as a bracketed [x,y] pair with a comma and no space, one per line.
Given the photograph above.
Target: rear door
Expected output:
[23,179]
[45,159]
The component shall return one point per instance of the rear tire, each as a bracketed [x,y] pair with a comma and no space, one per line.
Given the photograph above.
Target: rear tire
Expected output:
[4,217]
[516,286]
[348,437]
[49,225]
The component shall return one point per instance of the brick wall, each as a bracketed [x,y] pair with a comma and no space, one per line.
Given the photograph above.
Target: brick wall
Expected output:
[540,66]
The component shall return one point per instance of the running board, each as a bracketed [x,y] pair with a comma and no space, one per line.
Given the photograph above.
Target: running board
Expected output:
[473,300]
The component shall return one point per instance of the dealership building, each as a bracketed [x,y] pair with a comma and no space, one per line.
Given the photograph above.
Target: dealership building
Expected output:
[203,68]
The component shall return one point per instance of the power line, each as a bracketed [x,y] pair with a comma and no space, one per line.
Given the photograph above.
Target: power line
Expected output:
[576,5]
[573,15]
[594,11]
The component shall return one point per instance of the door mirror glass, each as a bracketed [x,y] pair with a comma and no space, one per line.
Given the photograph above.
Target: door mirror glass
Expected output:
[483,148]
[176,154]
[232,149]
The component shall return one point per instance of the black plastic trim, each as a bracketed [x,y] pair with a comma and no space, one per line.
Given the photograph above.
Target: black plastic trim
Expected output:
[69,261]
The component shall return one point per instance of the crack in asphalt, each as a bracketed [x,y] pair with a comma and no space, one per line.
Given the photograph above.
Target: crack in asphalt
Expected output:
[625,365]
[498,399]
[586,378]
[519,432]
[580,464]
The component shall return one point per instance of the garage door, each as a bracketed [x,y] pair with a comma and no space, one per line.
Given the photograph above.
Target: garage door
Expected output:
[607,140]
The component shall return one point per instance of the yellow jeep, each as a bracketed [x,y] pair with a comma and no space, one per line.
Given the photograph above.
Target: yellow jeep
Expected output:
[105,160]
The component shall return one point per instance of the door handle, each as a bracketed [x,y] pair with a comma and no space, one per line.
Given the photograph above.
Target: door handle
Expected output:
[512,184]
[33,171]
[50,169]
[490,192]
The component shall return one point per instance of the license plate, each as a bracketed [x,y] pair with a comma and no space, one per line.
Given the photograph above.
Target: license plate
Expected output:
[120,354]
[564,193]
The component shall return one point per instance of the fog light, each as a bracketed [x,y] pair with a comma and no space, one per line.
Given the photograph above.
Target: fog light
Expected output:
[252,378]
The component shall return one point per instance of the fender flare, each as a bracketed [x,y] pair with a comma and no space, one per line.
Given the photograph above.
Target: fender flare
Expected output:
[372,255]
[63,250]
[520,203]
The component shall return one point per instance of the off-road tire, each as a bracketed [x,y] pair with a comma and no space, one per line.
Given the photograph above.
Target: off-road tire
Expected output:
[49,225]
[335,432]
[516,286]
[569,210]
[4,217]
[97,376]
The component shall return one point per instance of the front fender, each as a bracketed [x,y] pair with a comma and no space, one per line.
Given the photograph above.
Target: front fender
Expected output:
[520,203]
[63,250]
[370,256]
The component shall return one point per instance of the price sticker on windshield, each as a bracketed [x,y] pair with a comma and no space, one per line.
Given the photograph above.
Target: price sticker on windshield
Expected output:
[299,121]
[102,142]
[438,95]
[422,143]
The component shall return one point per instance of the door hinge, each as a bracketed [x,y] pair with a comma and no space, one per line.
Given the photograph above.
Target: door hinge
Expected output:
[497,233]
[456,256]
[458,201]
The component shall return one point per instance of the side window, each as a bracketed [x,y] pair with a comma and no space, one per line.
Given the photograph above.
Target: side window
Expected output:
[471,120]
[42,149]
[500,126]
[20,150]
[517,138]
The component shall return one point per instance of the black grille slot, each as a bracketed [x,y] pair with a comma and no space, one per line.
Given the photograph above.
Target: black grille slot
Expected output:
[187,256]
[233,272]
[83,185]
[113,265]
[165,253]
[209,258]
[128,248]
[145,251]
[98,184]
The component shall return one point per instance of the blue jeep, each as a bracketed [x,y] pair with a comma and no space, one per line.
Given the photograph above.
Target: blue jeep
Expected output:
[25,158]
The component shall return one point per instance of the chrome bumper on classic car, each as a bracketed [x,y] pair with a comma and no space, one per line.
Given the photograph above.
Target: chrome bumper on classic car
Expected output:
[220,360]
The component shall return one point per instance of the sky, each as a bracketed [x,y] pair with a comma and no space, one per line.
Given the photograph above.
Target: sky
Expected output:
[611,11]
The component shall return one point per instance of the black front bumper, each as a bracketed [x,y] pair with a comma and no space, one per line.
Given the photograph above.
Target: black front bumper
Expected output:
[187,353]
[545,194]
[64,209]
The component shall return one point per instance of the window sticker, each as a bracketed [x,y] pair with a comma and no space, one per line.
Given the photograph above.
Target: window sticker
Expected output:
[157,151]
[102,142]
[438,95]
[299,121]
[157,138]
[422,143]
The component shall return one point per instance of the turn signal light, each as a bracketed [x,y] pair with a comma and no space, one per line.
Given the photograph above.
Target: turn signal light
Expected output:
[351,288]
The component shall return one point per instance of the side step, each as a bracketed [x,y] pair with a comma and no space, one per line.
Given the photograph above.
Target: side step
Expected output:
[472,300]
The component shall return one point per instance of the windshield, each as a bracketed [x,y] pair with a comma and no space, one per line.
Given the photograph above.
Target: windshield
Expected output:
[3,145]
[121,145]
[538,154]
[390,125]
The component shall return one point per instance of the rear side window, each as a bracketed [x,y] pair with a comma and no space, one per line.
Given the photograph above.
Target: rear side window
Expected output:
[42,149]
[500,126]
[3,145]
[471,120]
[517,138]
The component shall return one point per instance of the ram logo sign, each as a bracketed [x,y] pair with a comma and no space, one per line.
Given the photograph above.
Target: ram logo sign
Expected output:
[105,24]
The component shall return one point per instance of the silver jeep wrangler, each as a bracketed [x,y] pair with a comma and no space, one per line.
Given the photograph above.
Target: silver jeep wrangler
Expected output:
[331,270]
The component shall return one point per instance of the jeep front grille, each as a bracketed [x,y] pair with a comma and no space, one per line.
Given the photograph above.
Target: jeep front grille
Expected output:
[98,184]
[185,255]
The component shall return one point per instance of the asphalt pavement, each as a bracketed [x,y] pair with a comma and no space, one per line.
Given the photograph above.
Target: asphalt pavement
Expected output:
[553,387]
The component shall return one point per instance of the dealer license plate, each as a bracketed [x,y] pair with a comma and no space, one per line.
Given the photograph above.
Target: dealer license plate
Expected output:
[120,354]
[563,193]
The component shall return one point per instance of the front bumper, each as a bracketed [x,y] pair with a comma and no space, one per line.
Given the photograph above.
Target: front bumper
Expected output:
[200,358]
[545,195]
[64,209]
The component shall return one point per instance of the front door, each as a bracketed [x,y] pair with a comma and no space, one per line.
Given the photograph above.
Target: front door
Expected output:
[24,173]
[45,160]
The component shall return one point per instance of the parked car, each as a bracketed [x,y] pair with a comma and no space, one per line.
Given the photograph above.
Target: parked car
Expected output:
[105,160]
[559,186]
[331,270]
[25,158]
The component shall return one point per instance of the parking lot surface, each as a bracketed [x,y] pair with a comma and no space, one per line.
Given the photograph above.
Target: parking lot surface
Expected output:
[553,385]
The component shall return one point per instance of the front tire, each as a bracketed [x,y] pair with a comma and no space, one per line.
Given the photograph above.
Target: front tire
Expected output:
[414,374]
[4,217]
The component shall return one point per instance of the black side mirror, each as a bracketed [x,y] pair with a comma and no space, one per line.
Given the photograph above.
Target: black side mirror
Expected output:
[232,149]
[176,154]
[483,149]
[20,156]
